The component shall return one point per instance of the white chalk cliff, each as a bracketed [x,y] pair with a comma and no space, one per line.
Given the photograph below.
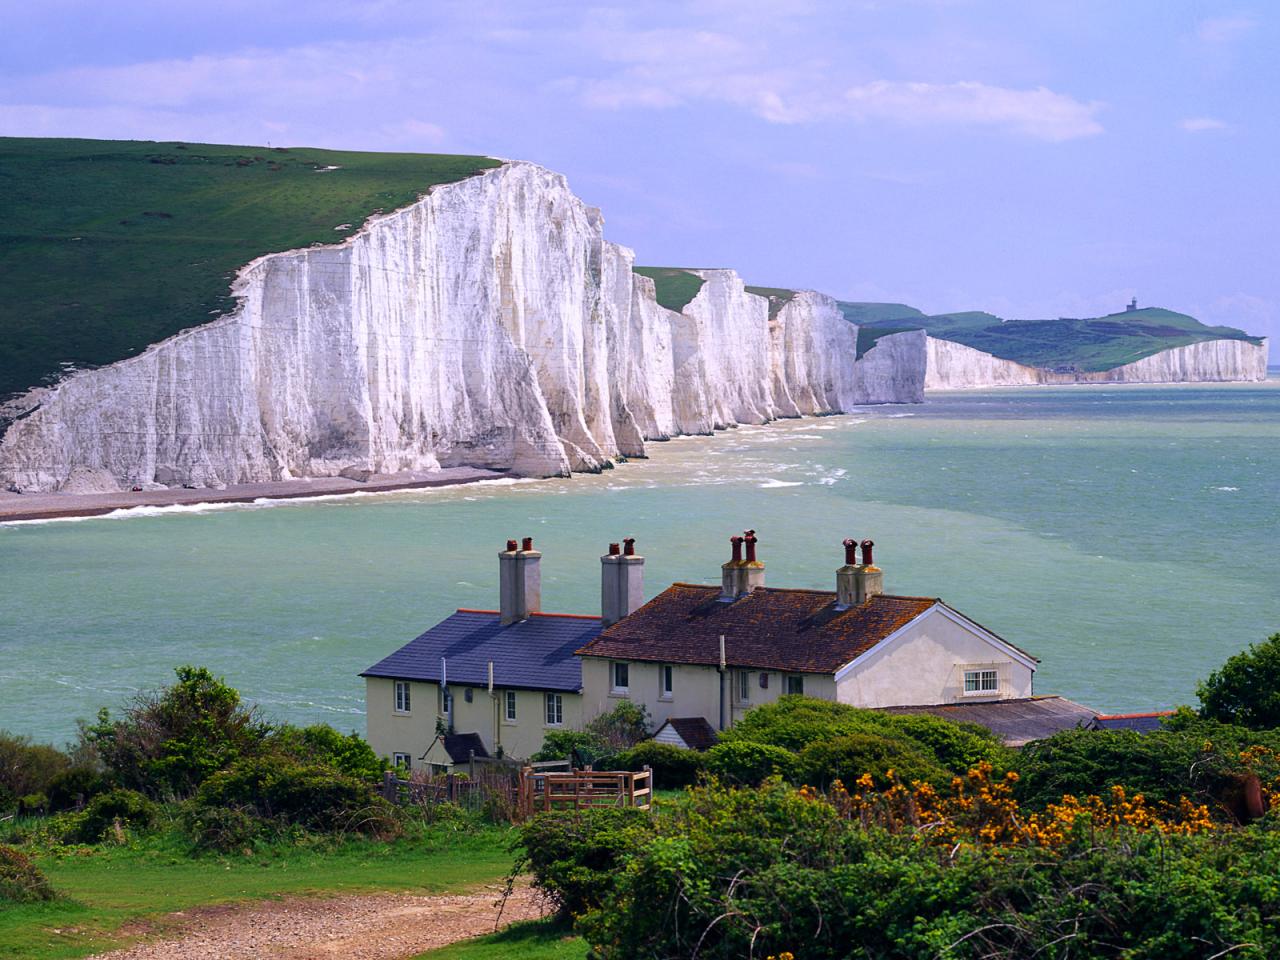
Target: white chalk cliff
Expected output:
[489,324]
[954,366]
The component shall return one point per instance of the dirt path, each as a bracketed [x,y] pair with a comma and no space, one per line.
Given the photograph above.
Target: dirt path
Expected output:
[372,927]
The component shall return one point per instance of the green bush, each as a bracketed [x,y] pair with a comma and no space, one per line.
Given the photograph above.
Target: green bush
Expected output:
[795,722]
[751,763]
[222,829]
[126,807]
[21,880]
[846,758]
[622,727]
[575,856]
[672,766]
[348,753]
[289,793]
[171,740]
[27,768]
[1246,689]
[742,873]
[75,787]
[563,744]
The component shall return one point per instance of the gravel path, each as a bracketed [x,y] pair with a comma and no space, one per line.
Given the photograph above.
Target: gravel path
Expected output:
[373,927]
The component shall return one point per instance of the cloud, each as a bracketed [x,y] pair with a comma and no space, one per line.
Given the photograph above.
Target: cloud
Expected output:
[1040,113]
[1201,124]
[1218,31]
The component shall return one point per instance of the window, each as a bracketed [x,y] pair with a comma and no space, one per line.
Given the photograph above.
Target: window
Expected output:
[511,706]
[402,761]
[795,684]
[555,710]
[665,685]
[447,701]
[468,695]
[744,686]
[621,677]
[981,681]
[402,696]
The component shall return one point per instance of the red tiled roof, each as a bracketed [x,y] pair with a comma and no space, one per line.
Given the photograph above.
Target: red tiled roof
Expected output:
[768,629]
[696,732]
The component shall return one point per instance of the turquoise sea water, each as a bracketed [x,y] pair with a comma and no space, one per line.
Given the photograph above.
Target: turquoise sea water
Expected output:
[1127,536]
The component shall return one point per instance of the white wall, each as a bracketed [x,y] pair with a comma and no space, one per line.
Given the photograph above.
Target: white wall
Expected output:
[925,664]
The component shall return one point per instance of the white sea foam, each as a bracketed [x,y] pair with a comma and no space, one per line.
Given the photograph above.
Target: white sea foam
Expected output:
[1227,489]
[772,484]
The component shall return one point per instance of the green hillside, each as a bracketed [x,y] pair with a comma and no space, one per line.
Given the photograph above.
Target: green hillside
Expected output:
[778,297]
[1086,344]
[675,287]
[107,246]
[876,320]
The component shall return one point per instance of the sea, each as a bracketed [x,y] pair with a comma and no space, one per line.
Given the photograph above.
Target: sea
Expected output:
[1128,536]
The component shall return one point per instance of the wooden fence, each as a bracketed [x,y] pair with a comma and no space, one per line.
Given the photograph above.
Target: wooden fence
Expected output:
[540,792]
[521,790]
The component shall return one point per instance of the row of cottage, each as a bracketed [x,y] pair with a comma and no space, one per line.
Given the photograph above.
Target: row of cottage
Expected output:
[696,656]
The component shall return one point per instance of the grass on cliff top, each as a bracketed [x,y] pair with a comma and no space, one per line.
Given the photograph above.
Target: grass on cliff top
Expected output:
[107,892]
[778,297]
[107,246]
[675,287]
[1086,344]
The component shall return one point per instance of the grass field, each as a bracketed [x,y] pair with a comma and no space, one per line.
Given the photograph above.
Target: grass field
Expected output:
[105,888]
[675,287]
[536,940]
[107,246]
[1074,343]
[778,297]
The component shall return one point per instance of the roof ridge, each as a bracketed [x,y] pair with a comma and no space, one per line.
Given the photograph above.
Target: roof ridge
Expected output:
[475,610]
[570,616]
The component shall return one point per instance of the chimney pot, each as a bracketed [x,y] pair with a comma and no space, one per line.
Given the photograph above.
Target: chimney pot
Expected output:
[850,552]
[621,582]
[528,543]
[736,543]
[749,538]
[511,546]
[867,545]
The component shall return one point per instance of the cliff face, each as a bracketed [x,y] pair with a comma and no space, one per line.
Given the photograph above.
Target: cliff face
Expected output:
[489,324]
[953,366]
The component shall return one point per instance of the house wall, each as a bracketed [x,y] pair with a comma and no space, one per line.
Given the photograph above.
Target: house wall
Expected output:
[413,733]
[926,665]
[695,690]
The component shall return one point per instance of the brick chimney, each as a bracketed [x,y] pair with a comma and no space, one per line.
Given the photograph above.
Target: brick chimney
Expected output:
[519,581]
[856,583]
[741,574]
[621,582]
[731,572]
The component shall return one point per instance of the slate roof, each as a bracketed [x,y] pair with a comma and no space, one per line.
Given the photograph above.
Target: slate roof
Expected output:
[459,746]
[1016,721]
[768,629]
[696,732]
[1139,722]
[533,654]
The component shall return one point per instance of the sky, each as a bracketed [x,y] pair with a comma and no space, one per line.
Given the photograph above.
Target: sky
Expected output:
[1033,159]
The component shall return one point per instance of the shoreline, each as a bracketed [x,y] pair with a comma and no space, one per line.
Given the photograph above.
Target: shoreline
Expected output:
[58,506]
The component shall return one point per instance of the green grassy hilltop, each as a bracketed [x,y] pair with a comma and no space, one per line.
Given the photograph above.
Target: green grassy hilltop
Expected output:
[107,246]
[1088,344]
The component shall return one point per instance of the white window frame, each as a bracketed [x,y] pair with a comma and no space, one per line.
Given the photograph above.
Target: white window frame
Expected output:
[509,708]
[744,686]
[981,677]
[795,679]
[666,681]
[554,710]
[403,697]
[400,760]
[614,667]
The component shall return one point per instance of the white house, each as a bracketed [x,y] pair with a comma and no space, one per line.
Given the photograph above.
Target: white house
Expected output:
[697,655]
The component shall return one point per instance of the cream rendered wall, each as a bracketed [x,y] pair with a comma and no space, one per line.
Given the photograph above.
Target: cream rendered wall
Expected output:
[925,664]
[695,690]
[413,733]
